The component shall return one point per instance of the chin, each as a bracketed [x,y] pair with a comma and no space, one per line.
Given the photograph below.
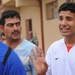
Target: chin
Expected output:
[63,34]
[16,38]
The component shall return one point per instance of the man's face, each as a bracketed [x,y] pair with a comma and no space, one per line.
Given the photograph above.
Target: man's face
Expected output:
[30,35]
[12,28]
[67,23]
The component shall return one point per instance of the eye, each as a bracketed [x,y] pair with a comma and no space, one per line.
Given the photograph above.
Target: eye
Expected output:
[18,23]
[69,18]
[10,25]
[60,18]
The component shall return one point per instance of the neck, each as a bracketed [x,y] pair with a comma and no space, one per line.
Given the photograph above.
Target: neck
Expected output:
[13,44]
[70,41]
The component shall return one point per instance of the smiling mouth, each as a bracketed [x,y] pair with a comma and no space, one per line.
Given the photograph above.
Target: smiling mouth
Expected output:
[64,30]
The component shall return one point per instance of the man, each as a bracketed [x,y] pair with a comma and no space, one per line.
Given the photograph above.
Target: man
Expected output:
[32,39]
[3,37]
[10,64]
[60,56]
[11,26]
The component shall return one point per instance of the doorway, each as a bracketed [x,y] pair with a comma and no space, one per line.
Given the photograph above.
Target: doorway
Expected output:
[28,27]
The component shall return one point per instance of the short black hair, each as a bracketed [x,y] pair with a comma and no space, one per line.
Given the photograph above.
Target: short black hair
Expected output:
[8,14]
[67,6]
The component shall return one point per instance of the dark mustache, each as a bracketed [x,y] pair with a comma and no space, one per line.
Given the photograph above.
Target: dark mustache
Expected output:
[16,31]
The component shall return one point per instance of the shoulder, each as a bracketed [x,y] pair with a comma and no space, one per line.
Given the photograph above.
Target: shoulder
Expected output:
[56,45]
[27,44]
[3,50]
[54,49]
[13,57]
[13,62]
[3,46]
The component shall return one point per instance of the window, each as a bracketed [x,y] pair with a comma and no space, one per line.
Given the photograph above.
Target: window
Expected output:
[70,0]
[51,10]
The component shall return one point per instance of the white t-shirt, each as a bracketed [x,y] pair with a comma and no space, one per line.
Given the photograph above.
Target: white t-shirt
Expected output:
[60,61]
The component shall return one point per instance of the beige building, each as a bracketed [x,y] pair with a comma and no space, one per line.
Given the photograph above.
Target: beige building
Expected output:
[40,16]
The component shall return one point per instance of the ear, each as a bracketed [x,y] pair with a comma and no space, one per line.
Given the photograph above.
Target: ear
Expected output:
[1,28]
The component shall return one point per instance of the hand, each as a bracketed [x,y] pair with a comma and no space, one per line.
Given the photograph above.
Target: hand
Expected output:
[39,61]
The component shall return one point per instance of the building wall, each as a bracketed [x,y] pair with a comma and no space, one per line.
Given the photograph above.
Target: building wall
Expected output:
[34,14]
[10,8]
[51,30]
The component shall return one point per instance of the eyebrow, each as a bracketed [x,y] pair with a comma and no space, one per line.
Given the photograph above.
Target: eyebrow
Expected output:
[13,23]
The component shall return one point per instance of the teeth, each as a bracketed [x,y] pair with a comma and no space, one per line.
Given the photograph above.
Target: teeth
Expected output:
[65,28]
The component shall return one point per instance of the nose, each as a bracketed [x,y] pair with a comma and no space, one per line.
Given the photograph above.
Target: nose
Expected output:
[63,22]
[15,27]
